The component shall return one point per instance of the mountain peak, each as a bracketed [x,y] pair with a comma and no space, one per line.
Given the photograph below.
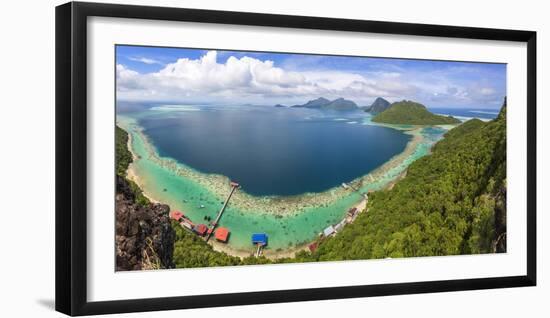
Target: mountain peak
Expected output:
[379,105]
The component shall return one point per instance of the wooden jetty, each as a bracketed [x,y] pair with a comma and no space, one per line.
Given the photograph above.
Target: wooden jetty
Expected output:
[234,187]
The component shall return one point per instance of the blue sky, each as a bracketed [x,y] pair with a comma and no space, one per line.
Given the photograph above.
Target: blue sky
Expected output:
[190,76]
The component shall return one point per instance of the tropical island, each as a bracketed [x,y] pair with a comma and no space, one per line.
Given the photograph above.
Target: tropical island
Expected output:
[339,104]
[449,202]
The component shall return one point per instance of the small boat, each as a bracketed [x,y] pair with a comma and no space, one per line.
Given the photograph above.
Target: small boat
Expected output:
[201,206]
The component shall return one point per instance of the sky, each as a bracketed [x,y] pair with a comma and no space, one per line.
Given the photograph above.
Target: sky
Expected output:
[196,76]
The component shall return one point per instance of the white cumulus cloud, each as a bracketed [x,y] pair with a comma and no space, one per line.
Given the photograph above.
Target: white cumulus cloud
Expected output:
[251,80]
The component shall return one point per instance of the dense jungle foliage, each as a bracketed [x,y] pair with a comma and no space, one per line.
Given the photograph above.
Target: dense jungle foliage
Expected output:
[123,159]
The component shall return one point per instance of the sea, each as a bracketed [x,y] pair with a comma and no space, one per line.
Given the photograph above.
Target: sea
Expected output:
[465,114]
[274,151]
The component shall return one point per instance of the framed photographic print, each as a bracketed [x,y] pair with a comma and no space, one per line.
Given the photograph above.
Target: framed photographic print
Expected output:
[208,158]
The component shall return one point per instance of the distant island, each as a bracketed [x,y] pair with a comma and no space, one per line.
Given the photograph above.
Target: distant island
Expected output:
[407,112]
[340,104]
[379,105]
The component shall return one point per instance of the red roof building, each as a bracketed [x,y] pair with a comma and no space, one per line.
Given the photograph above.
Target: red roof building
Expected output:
[222,234]
[176,215]
[201,229]
[313,247]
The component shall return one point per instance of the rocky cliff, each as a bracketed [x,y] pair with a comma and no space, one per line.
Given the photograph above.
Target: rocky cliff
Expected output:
[144,236]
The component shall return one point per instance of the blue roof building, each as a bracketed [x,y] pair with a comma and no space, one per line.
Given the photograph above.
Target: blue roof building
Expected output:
[329,231]
[259,238]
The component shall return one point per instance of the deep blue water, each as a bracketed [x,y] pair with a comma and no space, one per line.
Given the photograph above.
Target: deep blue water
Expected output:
[273,151]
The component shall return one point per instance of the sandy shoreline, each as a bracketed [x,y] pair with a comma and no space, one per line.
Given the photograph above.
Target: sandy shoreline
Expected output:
[287,206]
[132,175]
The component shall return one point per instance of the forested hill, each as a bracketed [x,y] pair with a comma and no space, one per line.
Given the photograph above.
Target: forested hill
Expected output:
[410,113]
[451,202]
[339,104]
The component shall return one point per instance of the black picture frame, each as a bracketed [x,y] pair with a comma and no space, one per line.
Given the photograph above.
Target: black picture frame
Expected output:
[71,157]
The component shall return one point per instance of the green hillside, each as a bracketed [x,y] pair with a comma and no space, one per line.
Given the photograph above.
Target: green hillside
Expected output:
[123,157]
[411,113]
